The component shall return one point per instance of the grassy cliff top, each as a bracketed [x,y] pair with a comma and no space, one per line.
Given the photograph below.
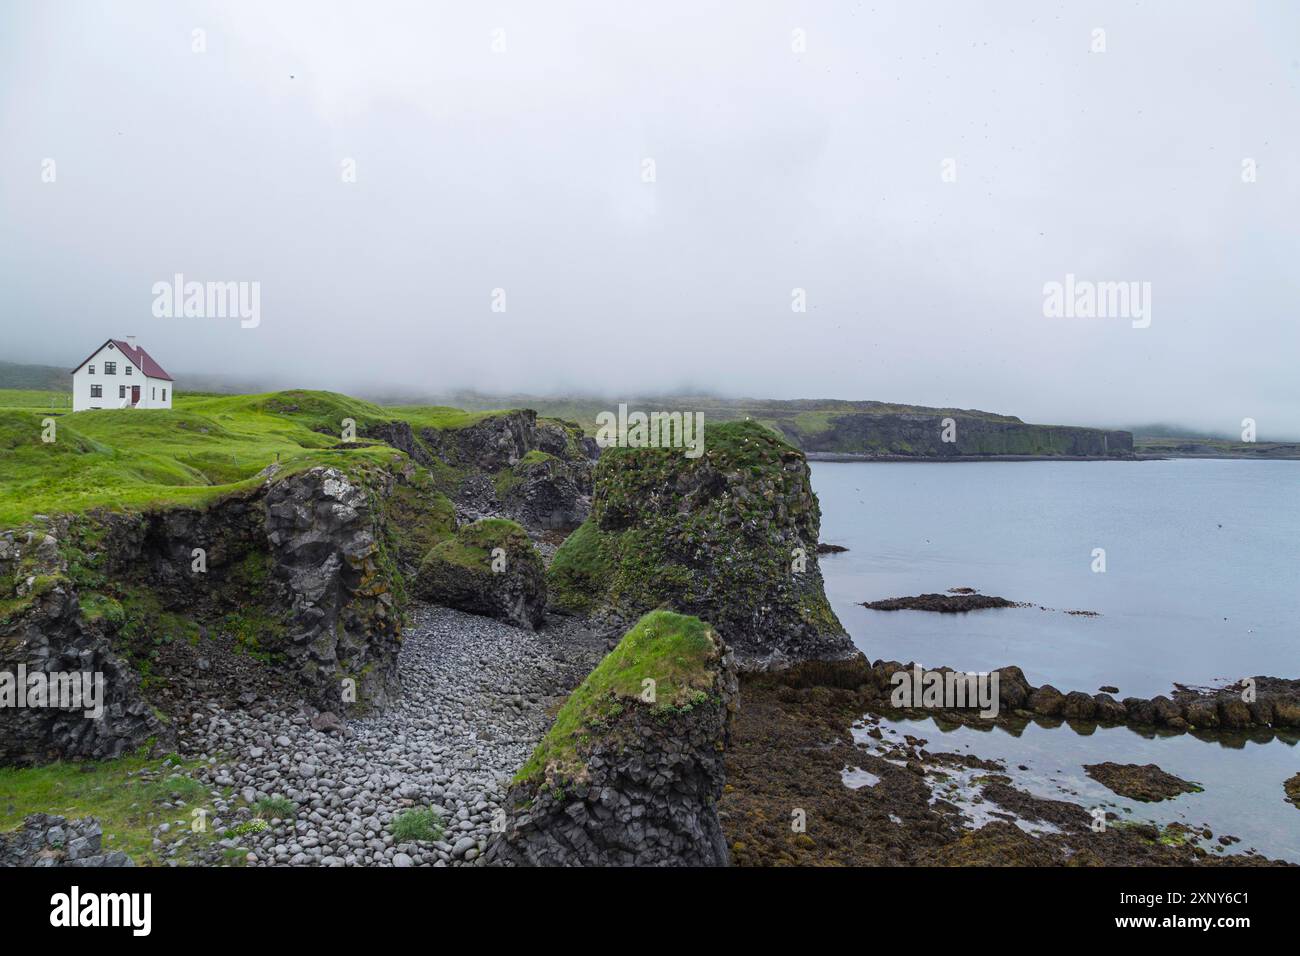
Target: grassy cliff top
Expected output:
[677,652]
[205,447]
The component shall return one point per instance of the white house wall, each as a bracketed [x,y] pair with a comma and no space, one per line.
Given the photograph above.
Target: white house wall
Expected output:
[151,389]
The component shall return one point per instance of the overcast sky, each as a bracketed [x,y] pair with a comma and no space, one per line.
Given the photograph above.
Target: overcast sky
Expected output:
[524,169]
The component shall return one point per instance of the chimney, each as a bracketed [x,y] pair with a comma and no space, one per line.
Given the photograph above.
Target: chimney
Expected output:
[130,340]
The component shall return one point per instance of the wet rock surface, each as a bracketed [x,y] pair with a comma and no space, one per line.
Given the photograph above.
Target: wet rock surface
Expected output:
[793,748]
[1145,782]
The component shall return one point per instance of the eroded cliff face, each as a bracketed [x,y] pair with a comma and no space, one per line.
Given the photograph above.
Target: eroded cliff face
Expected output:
[43,633]
[304,575]
[509,464]
[921,436]
[625,781]
[730,536]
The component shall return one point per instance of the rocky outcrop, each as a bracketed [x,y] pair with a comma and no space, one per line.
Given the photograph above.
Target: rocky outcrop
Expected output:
[1274,703]
[729,536]
[489,567]
[46,840]
[45,642]
[506,464]
[323,530]
[302,575]
[631,773]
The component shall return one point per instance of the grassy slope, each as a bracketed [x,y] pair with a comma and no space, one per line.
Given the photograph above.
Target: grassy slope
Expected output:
[126,803]
[674,650]
[205,447]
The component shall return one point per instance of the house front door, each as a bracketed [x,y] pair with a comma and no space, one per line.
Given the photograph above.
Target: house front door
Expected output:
[135,395]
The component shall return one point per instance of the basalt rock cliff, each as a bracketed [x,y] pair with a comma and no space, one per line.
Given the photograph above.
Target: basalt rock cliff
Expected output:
[632,771]
[729,536]
[302,576]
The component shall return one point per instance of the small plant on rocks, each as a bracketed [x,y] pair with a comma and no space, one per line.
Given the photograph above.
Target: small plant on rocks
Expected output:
[417,826]
[276,808]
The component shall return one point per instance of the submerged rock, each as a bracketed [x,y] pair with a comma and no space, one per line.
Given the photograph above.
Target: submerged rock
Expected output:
[1145,782]
[632,770]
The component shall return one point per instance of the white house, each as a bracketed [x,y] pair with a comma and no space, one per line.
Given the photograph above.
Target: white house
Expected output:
[120,375]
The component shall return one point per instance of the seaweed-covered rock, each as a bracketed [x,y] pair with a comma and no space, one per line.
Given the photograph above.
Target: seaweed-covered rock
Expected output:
[729,536]
[489,567]
[1145,782]
[632,770]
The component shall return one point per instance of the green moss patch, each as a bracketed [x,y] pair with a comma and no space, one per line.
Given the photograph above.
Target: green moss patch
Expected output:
[471,546]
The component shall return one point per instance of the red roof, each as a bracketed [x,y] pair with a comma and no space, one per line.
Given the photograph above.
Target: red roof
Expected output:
[136,356]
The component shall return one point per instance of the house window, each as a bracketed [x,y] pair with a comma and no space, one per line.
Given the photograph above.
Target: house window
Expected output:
[128,370]
[91,369]
[164,394]
[153,393]
[110,368]
[97,391]
[121,391]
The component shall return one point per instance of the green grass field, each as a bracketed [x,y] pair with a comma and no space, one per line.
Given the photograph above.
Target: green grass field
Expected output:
[205,447]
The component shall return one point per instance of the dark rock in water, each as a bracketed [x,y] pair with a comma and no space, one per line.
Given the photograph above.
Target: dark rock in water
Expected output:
[729,536]
[823,548]
[1047,701]
[942,603]
[623,781]
[1292,788]
[489,567]
[1013,688]
[1109,710]
[1078,706]
[45,840]
[1145,782]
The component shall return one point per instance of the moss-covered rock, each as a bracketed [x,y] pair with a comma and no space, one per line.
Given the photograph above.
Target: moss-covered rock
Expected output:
[489,567]
[730,536]
[632,770]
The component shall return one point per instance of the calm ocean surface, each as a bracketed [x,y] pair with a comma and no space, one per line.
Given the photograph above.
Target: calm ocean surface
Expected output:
[1202,585]
[1202,580]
